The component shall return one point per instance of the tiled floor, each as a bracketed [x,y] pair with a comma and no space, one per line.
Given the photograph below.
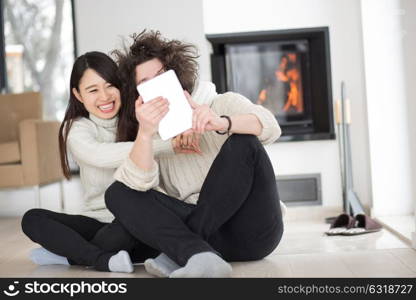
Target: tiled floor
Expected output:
[304,252]
[403,226]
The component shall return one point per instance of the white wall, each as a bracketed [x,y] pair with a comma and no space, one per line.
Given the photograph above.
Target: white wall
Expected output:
[343,19]
[409,46]
[388,100]
[15,202]
[101,24]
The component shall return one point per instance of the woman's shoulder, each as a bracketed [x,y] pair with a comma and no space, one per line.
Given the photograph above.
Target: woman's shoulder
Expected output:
[82,124]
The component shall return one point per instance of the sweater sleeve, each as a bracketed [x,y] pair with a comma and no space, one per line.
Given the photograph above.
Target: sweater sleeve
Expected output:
[86,149]
[234,104]
[135,178]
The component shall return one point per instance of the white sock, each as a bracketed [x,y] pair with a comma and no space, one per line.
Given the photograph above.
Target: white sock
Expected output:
[204,264]
[120,262]
[41,256]
[161,266]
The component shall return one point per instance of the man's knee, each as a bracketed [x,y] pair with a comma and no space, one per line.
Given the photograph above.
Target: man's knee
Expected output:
[243,139]
[119,195]
[244,142]
[242,145]
[112,194]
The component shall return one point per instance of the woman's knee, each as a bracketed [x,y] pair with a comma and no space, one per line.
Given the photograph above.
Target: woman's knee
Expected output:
[30,220]
[113,237]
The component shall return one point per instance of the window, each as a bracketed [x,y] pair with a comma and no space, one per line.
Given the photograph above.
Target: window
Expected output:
[39,50]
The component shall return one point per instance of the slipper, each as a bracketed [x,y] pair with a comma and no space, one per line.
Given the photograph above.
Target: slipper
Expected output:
[341,224]
[363,225]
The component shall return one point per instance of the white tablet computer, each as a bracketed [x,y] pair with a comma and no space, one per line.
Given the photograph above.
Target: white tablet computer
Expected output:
[179,117]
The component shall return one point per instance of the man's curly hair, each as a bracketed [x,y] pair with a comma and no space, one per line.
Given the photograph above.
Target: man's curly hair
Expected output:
[147,45]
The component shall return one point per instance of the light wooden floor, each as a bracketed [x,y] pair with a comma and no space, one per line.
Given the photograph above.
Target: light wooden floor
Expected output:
[304,252]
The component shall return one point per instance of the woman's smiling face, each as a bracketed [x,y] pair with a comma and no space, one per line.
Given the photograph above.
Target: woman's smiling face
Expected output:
[99,97]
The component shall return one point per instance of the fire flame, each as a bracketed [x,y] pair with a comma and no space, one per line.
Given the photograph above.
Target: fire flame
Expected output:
[287,73]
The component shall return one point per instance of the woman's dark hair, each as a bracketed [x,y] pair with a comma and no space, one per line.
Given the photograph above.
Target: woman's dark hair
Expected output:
[147,45]
[108,70]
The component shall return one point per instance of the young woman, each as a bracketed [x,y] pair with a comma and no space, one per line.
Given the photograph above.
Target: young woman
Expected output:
[89,133]
[199,210]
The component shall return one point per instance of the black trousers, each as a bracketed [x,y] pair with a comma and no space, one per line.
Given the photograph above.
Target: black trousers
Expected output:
[82,240]
[237,215]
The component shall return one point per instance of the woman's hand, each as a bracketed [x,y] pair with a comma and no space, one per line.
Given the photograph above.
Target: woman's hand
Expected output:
[187,142]
[149,114]
[204,118]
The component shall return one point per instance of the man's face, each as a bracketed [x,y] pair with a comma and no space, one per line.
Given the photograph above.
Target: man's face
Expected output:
[148,70]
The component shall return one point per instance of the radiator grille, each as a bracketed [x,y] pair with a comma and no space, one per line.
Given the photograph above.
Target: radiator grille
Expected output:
[304,189]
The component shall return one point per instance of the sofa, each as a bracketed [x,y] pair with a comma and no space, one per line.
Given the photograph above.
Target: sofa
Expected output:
[29,148]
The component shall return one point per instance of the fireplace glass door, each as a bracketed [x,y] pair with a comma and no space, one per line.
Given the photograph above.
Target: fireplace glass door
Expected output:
[274,75]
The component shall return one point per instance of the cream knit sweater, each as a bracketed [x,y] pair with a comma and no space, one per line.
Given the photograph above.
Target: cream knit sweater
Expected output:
[182,175]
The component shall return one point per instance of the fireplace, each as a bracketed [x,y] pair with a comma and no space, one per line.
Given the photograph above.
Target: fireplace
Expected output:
[287,71]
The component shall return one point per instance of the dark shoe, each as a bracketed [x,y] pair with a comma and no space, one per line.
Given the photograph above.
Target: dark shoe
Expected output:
[364,224]
[341,224]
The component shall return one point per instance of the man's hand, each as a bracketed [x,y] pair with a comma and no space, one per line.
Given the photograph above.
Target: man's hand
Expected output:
[150,114]
[204,118]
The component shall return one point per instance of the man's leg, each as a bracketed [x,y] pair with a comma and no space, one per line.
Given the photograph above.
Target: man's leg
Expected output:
[157,220]
[238,211]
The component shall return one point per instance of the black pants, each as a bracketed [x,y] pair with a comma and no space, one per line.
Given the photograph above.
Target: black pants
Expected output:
[82,240]
[238,212]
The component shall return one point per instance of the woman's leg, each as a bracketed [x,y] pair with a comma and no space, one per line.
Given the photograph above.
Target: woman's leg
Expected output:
[67,235]
[141,252]
[238,210]
[113,237]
